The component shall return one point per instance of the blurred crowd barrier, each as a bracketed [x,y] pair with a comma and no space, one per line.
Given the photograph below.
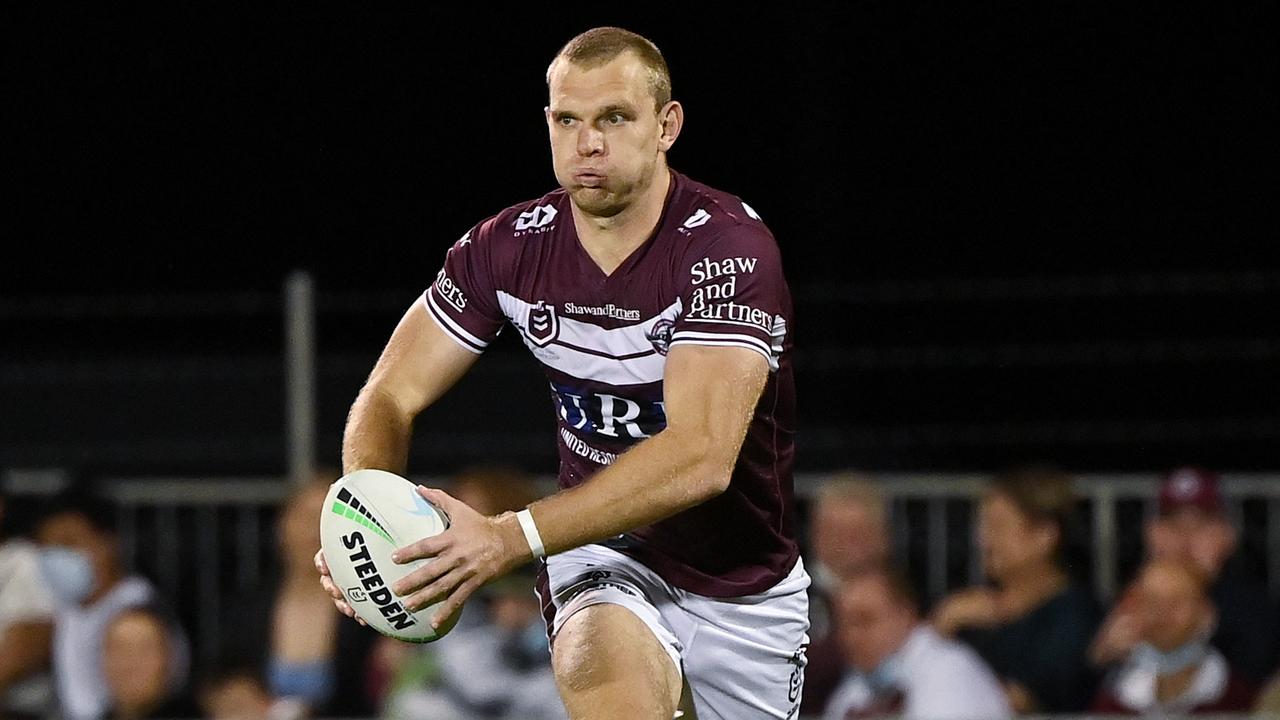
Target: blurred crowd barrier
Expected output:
[209,543]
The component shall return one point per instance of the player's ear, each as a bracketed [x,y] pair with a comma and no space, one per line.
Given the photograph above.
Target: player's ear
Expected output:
[670,121]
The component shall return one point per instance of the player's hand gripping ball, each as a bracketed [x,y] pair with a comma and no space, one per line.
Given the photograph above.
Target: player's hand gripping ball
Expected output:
[367,515]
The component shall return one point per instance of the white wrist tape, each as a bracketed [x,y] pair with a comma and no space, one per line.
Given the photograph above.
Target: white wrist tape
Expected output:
[531,534]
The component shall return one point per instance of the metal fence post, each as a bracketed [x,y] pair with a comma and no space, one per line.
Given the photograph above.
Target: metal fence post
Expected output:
[1104,540]
[300,370]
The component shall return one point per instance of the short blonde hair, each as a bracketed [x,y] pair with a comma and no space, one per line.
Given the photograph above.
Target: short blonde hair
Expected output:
[598,46]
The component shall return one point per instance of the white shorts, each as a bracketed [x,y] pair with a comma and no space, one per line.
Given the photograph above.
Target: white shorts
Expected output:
[743,658]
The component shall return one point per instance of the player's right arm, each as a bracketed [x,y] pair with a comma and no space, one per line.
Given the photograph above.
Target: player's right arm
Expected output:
[436,342]
[419,364]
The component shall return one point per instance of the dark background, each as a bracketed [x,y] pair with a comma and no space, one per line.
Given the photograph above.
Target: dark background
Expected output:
[1032,231]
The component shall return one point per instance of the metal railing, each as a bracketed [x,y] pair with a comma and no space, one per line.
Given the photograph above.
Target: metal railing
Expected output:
[1101,497]
[208,540]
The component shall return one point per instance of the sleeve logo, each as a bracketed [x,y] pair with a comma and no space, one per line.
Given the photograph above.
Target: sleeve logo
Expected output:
[714,301]
[708,269]
[449,292]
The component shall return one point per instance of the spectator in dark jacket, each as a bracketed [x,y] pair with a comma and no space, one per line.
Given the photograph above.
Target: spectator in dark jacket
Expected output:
[1032,624]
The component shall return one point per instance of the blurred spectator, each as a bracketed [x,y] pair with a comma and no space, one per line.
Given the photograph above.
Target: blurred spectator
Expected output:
[495,664]
[237,692]
[80,561]
[1173,669]
[900,666]
[848,530]
[496,668]
[847,535]
[491,490]
[1034,625]
[316,655]
[1192,526]
[145,659]
[26,628]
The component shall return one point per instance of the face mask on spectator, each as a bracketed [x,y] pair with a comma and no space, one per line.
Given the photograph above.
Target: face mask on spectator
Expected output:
[1175,660]
[887,676]
[68,572]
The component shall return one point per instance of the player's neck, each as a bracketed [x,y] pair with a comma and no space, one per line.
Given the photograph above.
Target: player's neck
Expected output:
[610,240]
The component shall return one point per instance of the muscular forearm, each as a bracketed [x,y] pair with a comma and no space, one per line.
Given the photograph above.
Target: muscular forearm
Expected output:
[24,651]
[377,433]
[654,480]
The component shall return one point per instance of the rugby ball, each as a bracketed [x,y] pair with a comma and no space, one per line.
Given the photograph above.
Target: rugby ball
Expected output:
[367,515]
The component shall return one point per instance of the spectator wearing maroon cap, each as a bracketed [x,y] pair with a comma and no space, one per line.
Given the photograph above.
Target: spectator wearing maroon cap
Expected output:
[1192,527]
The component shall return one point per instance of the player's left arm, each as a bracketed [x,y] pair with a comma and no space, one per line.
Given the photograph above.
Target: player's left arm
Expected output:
[711,395]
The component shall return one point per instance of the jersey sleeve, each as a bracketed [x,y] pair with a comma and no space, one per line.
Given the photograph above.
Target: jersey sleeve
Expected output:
[733,294]
[463,299]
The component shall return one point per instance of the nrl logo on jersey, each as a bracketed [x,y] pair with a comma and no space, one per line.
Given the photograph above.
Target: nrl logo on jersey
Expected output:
[536,219]
[541,324]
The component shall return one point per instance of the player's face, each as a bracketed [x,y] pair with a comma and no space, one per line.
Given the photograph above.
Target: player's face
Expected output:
[606,135]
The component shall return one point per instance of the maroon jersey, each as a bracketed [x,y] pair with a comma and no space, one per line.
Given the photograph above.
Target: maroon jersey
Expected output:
[709,275]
